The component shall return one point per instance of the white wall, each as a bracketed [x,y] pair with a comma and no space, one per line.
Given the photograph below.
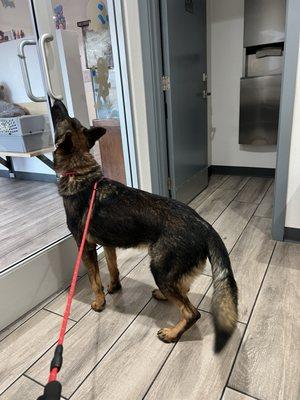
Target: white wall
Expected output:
[136,79]
[225,32]
[293,195]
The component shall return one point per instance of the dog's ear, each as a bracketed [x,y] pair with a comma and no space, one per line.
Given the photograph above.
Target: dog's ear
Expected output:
[93,134]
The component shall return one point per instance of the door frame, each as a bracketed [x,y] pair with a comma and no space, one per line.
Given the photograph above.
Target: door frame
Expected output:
[152,66]
[286,115]
[115,13]
[150,29]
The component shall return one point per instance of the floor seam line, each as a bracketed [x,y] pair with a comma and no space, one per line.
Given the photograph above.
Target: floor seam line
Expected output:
[59,293]
[249,319]
[106,293]
[114,343]
[246,394]
[54,344]
[218,187]
[58,315]
[268,187]
[159,371]
[238,238]
[168,355]
[252,215]
[38,383]
[31,316]
[233,199]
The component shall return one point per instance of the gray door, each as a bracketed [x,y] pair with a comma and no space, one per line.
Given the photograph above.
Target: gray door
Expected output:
[184,61]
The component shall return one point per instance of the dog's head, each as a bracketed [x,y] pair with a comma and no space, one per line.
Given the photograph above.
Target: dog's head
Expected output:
[70,135]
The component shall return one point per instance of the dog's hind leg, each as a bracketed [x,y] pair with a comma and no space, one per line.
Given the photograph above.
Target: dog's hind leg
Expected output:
[111,259]
[188,315]
[176,292]
[90,260]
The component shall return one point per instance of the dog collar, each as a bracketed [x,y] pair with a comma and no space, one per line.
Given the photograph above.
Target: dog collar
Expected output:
[68,173]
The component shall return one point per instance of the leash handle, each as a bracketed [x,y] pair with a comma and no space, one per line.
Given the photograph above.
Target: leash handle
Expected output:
[53,388]
[52,391]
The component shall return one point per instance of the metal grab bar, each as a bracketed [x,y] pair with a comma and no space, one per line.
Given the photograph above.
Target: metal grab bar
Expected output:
[24,69]
[47,37]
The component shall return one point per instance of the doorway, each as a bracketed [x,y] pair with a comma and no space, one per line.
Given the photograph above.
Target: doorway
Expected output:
[184,83]
[265,163]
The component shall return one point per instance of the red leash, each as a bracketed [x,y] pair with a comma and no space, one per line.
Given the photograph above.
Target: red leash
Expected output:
[53,388]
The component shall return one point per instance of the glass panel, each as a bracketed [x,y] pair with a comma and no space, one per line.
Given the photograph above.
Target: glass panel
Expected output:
[90,19]
[31,211]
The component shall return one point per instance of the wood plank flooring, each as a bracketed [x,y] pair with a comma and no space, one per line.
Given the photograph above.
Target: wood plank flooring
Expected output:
[272,341]
[230,394]
[116,354]
[31,217]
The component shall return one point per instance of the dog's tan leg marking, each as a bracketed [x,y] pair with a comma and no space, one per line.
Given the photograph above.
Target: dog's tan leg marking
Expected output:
[90,260]
[189,315]
[111,259]
[157,294]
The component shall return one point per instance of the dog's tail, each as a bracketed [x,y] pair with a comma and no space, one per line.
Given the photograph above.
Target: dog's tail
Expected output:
[225,296]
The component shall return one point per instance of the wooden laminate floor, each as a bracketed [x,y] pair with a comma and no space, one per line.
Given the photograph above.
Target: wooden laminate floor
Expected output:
[116,354]
[31,217]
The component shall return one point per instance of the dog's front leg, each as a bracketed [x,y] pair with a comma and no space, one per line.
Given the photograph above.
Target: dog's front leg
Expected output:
[90,260]
[111,259]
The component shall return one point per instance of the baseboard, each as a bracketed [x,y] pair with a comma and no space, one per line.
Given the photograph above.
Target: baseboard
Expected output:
[247,171]
[292,234]
[4,173]
[30,176]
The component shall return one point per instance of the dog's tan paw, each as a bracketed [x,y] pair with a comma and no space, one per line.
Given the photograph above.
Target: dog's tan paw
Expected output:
[167,335]
[157,294]
[98,305]
[114,287]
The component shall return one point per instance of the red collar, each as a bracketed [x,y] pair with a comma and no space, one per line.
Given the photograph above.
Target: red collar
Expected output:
[68,173]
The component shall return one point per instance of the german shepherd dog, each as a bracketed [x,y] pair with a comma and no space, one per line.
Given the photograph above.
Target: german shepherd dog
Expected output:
[179,241]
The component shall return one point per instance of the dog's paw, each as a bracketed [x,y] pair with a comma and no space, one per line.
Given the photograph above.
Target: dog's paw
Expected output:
[157,294]
[114,287]
[167,335]
[98,305]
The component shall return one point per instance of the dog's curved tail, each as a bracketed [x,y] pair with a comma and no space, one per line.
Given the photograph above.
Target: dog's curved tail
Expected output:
[225,296]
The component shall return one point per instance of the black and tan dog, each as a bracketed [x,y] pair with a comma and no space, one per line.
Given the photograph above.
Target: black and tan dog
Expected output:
[178,239]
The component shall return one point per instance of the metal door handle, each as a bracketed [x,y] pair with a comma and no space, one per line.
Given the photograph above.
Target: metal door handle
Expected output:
[45,38]
[24,69]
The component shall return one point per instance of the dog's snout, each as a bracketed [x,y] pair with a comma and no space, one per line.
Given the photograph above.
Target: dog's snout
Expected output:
[58,112]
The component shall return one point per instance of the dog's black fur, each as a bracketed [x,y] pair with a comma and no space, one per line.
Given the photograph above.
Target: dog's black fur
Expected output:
[178,239]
